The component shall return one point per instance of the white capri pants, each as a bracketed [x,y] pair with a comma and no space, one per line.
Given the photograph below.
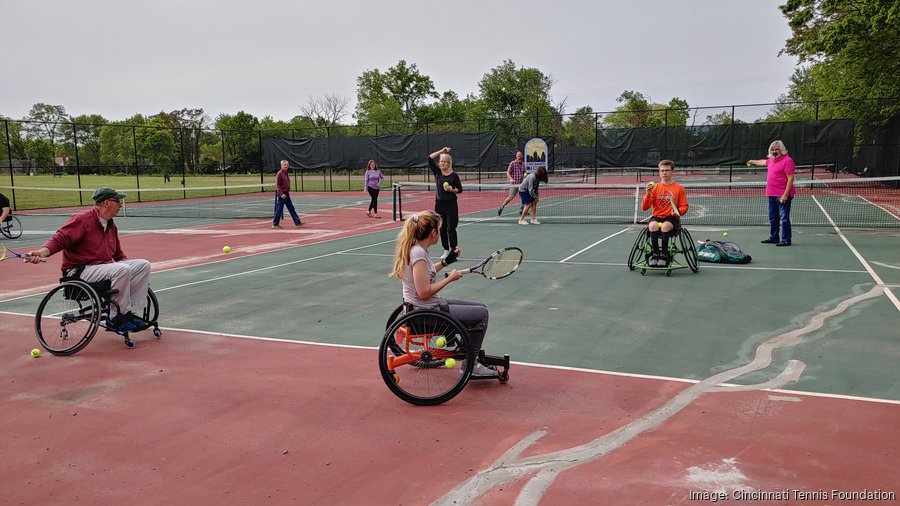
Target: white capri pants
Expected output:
[130,277]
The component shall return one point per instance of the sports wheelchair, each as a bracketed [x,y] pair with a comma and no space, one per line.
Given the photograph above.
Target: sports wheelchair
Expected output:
[426,356]
[680,244]
[69,316]
[11,227]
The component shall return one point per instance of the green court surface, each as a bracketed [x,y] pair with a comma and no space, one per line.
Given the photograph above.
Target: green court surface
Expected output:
[574,303]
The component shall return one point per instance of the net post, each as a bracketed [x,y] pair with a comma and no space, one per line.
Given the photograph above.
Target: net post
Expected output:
[637,193]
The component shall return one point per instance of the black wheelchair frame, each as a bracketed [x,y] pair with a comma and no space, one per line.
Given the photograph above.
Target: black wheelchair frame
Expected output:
[681,244]
[426,356]
[11,227]
[72,312]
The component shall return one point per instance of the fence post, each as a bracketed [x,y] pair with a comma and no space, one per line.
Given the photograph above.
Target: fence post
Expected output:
[262,162]
[134,145]
[77,162]
[12,181]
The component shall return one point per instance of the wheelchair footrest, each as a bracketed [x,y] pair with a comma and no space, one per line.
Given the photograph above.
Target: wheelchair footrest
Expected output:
[502,364]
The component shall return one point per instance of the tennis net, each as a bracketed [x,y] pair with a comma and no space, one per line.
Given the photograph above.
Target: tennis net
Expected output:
[228,202]
[854,203]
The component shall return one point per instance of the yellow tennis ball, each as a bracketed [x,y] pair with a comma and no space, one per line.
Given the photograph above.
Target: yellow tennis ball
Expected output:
[440,342]
[446,185]
[226,249]
[725,234]
[450,363]
[35,353]
[651,184]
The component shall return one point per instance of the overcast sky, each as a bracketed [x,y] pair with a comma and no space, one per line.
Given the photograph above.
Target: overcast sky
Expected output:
[266,57]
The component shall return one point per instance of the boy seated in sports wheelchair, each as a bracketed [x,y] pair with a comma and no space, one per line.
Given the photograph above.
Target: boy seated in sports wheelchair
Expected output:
[668,201]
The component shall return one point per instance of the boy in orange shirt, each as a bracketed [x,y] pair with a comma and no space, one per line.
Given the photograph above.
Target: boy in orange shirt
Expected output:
[669,202]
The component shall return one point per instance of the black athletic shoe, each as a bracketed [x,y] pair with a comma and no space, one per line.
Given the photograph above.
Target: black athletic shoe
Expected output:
[770,241]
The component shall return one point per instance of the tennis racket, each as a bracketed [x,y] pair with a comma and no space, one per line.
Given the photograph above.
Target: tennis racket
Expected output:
[6,251]
[498,265]
[672,204]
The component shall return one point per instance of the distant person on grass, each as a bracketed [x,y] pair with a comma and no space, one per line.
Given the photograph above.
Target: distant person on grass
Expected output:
[283,197]
[665,220]
[514,173]
[528,193]
[779,192]
[374,177]
[91,250]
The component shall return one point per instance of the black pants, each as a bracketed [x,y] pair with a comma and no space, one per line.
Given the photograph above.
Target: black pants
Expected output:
[373,204]
[449,221]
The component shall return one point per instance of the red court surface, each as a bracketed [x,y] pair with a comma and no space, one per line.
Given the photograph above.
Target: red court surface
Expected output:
[207,419]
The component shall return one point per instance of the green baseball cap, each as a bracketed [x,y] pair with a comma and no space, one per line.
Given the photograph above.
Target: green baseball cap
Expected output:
[106,193]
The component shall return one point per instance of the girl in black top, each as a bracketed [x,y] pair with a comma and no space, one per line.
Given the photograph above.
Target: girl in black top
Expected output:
[448,185]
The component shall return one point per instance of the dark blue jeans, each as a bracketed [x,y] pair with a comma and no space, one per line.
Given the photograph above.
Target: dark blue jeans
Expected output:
[780,214]
[280,204]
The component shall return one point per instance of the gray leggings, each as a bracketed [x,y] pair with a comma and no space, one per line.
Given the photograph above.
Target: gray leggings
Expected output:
[474,315]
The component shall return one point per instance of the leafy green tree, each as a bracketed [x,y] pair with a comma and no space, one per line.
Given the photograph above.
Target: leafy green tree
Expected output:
[508,91]
[40,151]
[392,96]
[581,128]
[852,49]
[637,111]
[88,128]
[240,135]
[45,121]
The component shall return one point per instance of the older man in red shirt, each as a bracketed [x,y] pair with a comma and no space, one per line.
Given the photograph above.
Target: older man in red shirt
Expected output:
[89,242]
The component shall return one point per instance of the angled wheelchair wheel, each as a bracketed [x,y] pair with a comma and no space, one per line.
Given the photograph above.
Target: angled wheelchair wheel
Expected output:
[12,227]
[638,255]
[686,243]
[415,357]
[151,310]
[67,318]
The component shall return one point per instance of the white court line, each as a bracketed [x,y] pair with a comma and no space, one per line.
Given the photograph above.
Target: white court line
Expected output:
[887,291]
[524,364]
[270,267]
[573,255]
[619,264]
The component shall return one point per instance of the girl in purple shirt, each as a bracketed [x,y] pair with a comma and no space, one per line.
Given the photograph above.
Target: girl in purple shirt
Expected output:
[373,186]
[779,192]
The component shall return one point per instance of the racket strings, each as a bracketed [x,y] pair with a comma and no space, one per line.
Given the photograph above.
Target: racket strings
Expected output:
[502,264]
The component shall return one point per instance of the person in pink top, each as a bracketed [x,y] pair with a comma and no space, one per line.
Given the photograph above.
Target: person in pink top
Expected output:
[779,191]
[91,250]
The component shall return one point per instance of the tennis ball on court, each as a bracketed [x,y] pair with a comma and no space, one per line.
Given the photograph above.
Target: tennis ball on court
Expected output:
[226,249]
[440,342]
[35,353]
[450,363]
[725,234]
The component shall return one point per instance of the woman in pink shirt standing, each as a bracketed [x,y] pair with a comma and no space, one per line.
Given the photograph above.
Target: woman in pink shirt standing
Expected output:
[780,191]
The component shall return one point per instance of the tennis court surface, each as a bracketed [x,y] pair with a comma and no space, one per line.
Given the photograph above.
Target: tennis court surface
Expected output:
[768,383]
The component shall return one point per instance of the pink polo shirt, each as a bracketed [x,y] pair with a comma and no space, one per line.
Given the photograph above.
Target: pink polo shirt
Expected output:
[777,175]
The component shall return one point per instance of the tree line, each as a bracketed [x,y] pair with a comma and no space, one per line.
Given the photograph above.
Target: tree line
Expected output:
[847,49]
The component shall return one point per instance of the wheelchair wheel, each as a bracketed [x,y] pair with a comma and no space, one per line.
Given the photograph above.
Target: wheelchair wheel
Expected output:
[689,250]
[67,318]
[412,364]
[12,227]
[151,310]
[638,255]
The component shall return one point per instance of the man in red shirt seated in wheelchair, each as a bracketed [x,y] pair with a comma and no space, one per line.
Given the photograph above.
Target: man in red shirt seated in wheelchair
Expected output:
[89,242]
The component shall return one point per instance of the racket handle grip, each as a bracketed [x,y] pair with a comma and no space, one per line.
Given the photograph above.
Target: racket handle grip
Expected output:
[462,272]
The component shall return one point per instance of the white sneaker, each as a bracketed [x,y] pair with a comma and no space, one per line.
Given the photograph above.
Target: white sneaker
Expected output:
[444,254]
[535,222]
[484,371]
[523,222]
